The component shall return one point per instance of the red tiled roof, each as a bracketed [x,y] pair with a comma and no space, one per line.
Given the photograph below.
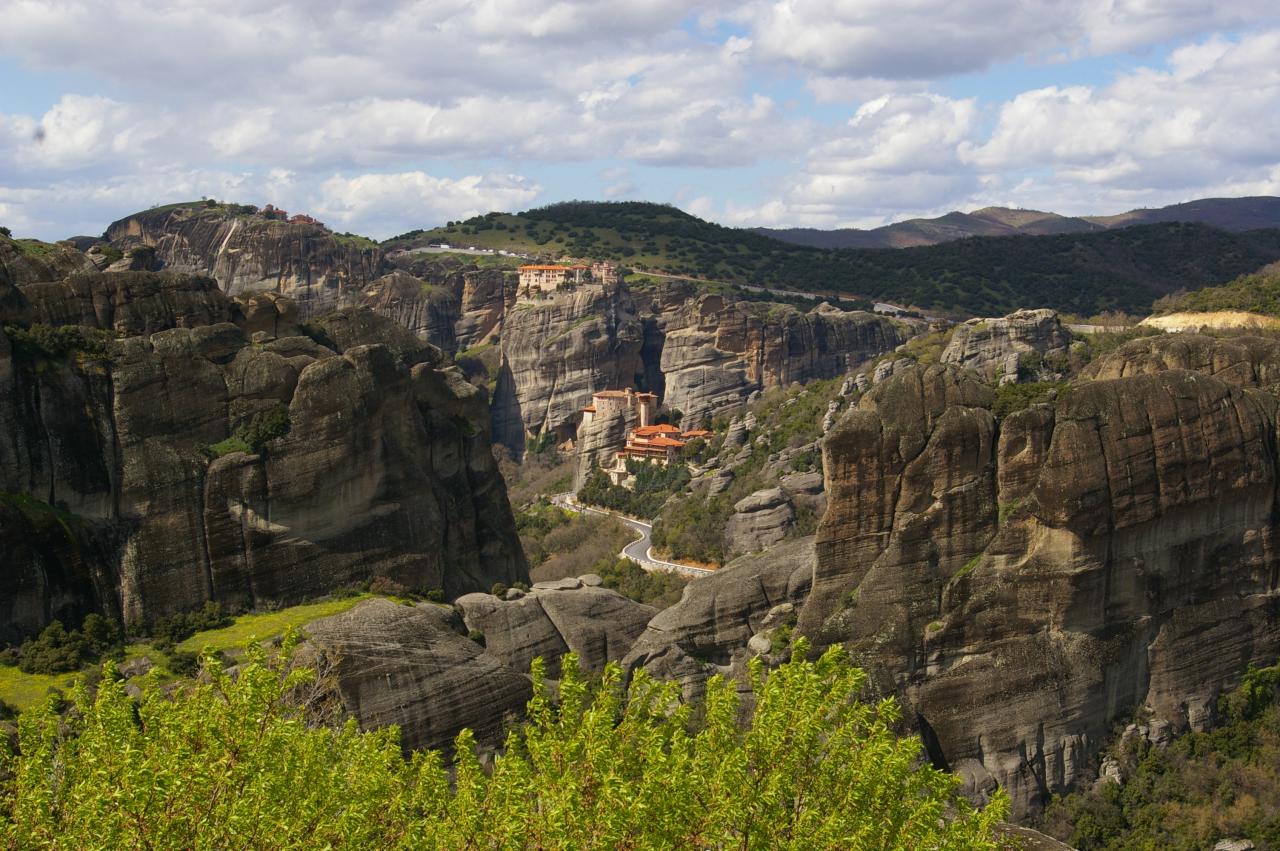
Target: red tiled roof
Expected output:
[536,267]
[661,428]
[666,441]
[589,409]
[610,394]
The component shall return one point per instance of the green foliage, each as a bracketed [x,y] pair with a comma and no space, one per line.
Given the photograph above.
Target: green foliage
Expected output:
[652,588]
[1186,796]
[253,436]
[177,627]
[498,589]
[654,485]
[540,445]
[693,528]
[1258,293]
[1015,397]
[47,343]
[233,762]
[57,650]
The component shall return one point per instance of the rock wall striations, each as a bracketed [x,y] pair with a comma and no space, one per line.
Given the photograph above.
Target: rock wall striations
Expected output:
[1025,584]
[385,469]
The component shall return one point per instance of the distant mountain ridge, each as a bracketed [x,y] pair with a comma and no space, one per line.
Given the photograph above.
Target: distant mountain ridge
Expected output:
[1231,214]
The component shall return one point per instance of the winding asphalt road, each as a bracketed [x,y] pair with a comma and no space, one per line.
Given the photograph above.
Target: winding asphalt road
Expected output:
[640,550]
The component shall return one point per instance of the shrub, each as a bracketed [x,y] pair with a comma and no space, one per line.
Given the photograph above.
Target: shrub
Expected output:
[181,626]
[253,436]
[45,343]
[387,587]
[231,761]
[498,589]
[58,650]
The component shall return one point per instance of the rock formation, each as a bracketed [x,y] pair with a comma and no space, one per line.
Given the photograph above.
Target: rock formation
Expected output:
[555,618]
[428,310]
[1025,584]
[414,667]
[556,352]
[715,352]
[1239,361]
[379,464]
[245,252]
[995,347]
[708,631]
[130,303]
[759,521]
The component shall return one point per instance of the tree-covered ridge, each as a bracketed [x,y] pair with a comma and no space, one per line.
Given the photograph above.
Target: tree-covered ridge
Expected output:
[239,761]
[1087,273]
[1258,293]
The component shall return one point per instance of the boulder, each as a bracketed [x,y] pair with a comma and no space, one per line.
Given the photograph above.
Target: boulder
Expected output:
[759,521]
[412,666]
[554,618]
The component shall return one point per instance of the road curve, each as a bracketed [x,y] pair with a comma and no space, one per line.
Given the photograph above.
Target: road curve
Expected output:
[640,550]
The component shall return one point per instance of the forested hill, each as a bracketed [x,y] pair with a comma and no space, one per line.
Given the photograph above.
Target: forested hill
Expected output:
[1120,269]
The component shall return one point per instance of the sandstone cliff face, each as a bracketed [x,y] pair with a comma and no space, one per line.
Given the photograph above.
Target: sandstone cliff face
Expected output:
[993,347]
[1025,584]
[1239,361]
[386,470]
[19,266]
[315,267]
[557,352]
[716,352]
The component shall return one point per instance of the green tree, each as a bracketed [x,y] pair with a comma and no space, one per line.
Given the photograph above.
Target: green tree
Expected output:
[233,762]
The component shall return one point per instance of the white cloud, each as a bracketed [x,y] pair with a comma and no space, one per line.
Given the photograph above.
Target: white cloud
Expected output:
[280,96]
[378,203]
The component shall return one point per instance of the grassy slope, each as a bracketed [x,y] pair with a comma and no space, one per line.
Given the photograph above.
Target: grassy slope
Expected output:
[1088,273]
[24,690]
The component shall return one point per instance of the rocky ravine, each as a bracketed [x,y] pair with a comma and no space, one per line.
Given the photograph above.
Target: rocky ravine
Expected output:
[110,502]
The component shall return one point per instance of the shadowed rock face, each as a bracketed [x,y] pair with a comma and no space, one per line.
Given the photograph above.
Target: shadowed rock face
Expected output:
[130,303]
[1025,584]
[708,631]
[386,470]
[315,267]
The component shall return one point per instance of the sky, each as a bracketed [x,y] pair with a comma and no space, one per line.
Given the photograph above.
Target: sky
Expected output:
[381,116]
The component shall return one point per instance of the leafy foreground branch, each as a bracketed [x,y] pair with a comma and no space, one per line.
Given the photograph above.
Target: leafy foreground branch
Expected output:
[231,762]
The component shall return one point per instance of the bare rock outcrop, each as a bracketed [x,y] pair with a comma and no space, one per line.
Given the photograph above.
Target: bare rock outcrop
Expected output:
[708,631]
[994,347]
[130,303]
[1243,361]
[414,667]
[556,352]
[429,310]
[715,352]
[245,252]
[1025,584]
[555,618]
[759,521]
